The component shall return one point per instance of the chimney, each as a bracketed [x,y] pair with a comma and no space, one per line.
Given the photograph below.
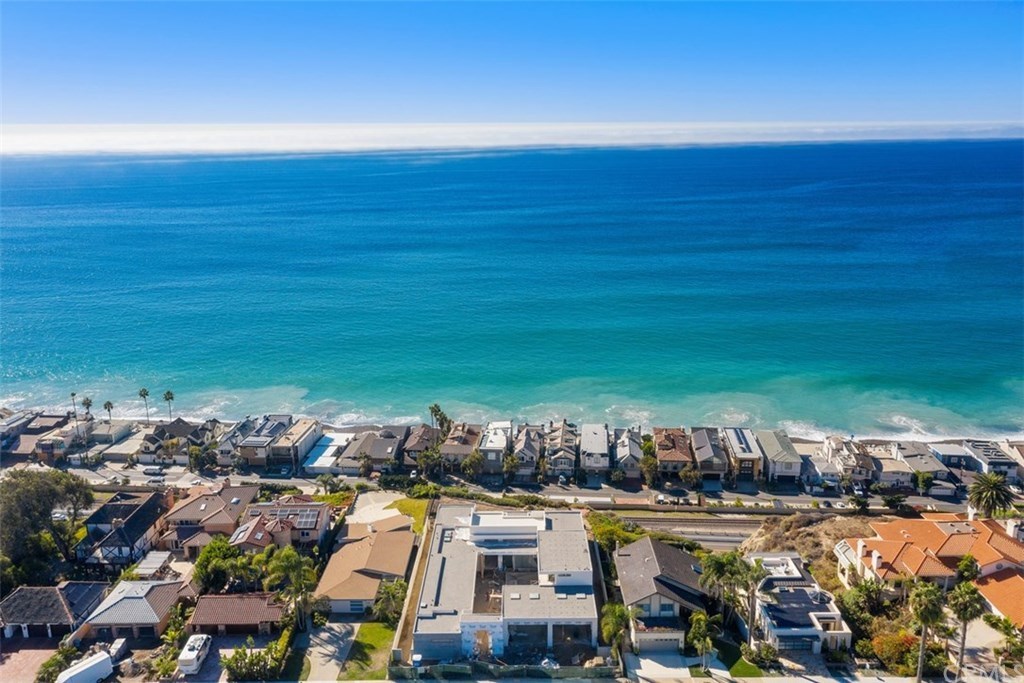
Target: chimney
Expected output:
[1013,528]
[860,547]
[971,512]
[876,560]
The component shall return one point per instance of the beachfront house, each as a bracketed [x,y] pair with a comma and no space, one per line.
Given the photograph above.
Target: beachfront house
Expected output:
[463,439]
[712,460]
[628,451]
[745,455]
[295,443]
[495,443]
[892,473]
[953,455]
[919,458]
[383,448]
[850,457]
[782,464]
[527,450]
[987,457]
[227,444]
[420,439]
[672,449]
[560,449]
[255,448]
[595,451]
[663,584]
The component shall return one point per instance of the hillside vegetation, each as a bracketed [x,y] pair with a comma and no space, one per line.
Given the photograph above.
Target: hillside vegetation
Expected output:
[813,535]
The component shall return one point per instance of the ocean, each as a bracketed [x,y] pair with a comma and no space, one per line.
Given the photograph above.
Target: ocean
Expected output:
[865,288]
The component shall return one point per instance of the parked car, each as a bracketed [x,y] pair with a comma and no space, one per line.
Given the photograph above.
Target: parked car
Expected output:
[414,474]
[155,481]
[662,500]
[152,471]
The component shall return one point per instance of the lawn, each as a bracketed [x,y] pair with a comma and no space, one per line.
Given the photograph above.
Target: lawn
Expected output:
[729,655]
[415,508]
[368,658]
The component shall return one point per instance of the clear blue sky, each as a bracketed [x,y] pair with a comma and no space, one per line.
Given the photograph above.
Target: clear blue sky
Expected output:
[424,62]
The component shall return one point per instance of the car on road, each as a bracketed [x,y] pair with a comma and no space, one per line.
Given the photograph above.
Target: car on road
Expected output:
[156,481]
[826,504]
[413,474]
[561,480]
[662,500]
[153,471]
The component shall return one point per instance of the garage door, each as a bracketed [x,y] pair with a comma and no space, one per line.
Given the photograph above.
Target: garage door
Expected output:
[659,644]
[37,631]
[147,632]
[241,629]
[60,630]
[796,644]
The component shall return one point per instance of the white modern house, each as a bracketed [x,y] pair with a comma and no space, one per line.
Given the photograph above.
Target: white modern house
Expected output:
[499,582]
[794,613]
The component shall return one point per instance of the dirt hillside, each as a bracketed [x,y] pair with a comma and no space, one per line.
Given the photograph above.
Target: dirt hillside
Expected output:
[813,535]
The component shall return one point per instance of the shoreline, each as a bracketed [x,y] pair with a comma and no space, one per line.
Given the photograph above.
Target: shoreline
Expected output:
[797,436]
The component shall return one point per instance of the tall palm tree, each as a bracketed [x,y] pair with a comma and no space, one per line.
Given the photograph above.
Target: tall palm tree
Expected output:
[169,397]
[715,577]
[990,493]
[108,406]
[926,605]
[966,604]
[87,404]
[615,619]
[144,395]
[750,577]
[298,576]
[703,629]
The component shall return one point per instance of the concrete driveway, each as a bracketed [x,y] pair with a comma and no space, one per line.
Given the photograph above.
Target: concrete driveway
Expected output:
[327,649]
[371,506]
[223,646]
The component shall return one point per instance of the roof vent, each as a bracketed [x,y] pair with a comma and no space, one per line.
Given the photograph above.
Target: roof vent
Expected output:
[581,596]
[514,596]
[236,501]
[202,507]
[563,596]
[535,596]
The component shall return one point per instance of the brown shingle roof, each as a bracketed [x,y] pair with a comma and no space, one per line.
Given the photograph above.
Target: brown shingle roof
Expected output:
[355,570]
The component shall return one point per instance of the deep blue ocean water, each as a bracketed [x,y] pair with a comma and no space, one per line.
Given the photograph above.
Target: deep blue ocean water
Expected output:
[870,288]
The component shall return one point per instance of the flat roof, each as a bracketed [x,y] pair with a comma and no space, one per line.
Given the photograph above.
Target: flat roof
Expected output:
[548,602]
[326,449]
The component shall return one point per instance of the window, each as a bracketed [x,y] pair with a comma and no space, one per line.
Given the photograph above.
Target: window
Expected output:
[305,534]
[666,608]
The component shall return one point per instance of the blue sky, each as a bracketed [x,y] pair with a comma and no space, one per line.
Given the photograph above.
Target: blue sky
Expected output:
[487,62]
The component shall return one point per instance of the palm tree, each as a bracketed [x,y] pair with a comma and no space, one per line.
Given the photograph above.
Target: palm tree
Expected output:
[87,404]
[169,397]
[144,395]
[966,604]
[714,576]
[108,406]
[390,600]
[615,619]
[298,576]
[701,636]
[926,605]
[750,577]
[990,493]
[325,481]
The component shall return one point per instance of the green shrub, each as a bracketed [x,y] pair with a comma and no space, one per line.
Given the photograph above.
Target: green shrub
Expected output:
[58,661]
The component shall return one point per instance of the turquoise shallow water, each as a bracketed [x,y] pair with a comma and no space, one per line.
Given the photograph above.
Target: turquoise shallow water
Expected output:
[873,288]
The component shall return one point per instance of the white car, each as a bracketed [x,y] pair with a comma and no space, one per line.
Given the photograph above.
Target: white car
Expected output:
[197,482]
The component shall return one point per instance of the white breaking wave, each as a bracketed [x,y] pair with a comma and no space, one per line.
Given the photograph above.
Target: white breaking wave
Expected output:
[30,139]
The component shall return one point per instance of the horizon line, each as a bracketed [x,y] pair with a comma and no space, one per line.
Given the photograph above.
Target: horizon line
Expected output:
[326,138]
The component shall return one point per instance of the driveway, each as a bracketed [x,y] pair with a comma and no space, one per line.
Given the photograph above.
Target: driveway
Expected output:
[327,649]
[658,666]
[223,646]
[20,658]
[371,506]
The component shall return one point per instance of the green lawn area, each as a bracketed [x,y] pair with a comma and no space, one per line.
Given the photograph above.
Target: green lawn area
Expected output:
[729,655]
[415,508]
[341,499]
[368,658]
